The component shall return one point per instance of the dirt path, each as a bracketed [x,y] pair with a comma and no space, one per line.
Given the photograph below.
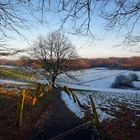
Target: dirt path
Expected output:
[60,120]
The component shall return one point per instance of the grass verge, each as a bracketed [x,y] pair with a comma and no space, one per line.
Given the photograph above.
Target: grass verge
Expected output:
[31,114]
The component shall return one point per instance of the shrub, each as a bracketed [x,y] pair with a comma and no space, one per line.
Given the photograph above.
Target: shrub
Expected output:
[134,77]
[122,81]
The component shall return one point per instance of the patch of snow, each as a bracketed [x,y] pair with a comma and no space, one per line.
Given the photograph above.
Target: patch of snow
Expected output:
[95,77]
[43,81]
[7,66]
[74,107]
[100,68]
[2,81]
[70,104]
[108,90]
[104,116]
[136,84]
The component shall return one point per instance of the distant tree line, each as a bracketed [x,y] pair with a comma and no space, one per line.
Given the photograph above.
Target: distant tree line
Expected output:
[132,63]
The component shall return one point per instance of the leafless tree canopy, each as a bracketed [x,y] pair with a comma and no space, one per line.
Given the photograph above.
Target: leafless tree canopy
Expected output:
[79,15]
[12,19]
[76,15]
[124,15]
[12,16]
[54,53]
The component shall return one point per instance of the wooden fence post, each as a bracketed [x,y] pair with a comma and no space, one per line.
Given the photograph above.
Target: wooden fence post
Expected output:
[34,98]
[20,106]
[76,98]
[95,116]
[67,90]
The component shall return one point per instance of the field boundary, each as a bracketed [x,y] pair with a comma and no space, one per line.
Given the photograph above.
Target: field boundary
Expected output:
[73,130]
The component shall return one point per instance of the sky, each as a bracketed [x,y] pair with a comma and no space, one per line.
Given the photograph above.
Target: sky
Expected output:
[87,47]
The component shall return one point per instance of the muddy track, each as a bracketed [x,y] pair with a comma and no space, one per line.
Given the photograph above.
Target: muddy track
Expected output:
[60,120]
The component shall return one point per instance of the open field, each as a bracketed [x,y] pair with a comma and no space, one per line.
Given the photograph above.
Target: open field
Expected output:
[120,107]
[97,82]
[116,108]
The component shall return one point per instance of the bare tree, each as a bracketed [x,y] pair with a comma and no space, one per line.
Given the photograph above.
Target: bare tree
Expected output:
[55,53]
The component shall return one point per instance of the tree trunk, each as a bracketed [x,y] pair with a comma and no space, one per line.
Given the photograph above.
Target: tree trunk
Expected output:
[53,80]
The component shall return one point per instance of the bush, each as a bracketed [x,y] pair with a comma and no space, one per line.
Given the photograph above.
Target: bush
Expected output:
[122,81]
[134,77]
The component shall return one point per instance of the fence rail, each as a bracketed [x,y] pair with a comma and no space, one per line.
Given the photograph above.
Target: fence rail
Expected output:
[71,131]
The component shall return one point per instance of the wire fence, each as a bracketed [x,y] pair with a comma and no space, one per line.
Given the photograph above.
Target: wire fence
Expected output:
[74,130]
[9,106]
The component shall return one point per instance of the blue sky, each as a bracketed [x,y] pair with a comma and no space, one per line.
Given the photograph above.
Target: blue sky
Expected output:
[86,47]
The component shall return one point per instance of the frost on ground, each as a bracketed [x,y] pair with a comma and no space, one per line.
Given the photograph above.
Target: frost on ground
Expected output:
[79,112]
[70,104]
[98,83]
[95,78]
[3,81]
[107,104]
